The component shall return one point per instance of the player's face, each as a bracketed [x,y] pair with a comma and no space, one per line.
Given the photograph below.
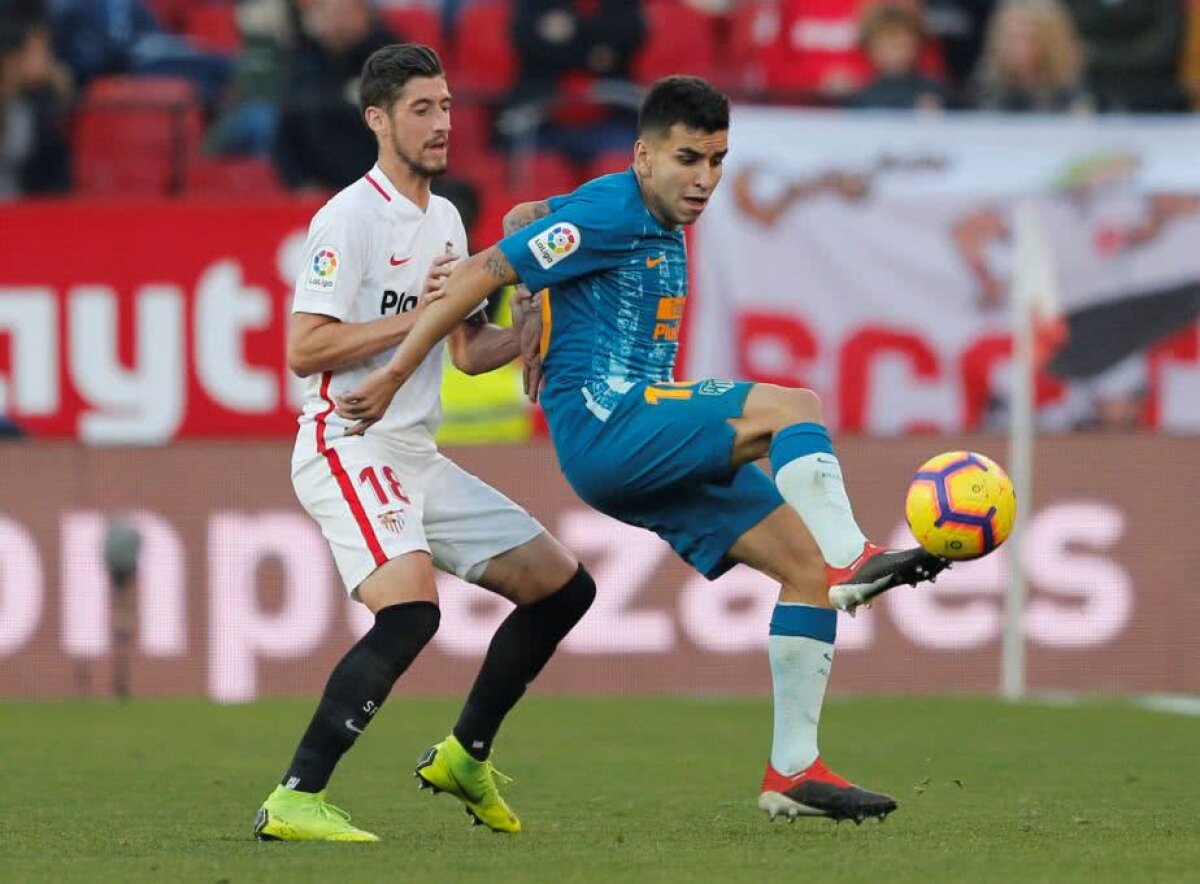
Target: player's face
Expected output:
[680,170]
[418,127]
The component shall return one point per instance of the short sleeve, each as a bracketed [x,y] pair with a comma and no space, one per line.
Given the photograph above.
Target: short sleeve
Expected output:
[578,238]
[334,258]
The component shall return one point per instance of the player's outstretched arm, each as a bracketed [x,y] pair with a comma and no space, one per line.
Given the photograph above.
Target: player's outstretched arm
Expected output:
[472,281]
[466,288]
[527,314]
[523,214]
[319,343]
[477,346]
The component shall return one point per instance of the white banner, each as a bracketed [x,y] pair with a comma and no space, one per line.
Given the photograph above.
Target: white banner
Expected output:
[869,257]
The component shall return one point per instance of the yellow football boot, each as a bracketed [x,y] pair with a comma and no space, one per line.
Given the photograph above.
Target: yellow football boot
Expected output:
[288,815]
[448,767]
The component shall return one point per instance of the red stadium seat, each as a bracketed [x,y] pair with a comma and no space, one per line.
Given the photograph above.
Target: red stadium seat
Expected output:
[494,202]
[416,24]
[752,24]
[502,183]
[540,175]
[214,26]
[484,63]
[484,170]
[135,135]
[488,173]
[471,130]
[679,40]
[233,177]
[171,14]
[611,161]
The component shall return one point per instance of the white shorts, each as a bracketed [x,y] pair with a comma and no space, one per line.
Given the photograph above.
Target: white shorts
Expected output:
[375,501]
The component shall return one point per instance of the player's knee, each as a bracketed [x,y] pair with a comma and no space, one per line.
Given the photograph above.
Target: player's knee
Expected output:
[790,405]
[401,631]
[417,621]
[801,405]
[431,619]
[576,595]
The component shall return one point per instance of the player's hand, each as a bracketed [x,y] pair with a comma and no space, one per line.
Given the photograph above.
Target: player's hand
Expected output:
[369,402]
[527,322]
[533,377]
[435,282]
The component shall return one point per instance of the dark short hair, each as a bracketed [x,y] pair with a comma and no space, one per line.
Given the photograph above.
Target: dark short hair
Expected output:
[885,17]
[19,19]
[387,70]
[688,100]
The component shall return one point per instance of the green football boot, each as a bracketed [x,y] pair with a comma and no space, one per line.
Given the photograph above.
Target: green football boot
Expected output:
[448,767]
[288,815]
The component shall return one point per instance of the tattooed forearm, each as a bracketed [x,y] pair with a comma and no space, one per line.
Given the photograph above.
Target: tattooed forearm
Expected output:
[498,267]
[523,215]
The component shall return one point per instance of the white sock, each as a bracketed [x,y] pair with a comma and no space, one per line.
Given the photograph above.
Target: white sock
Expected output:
[799,673]
[812,485]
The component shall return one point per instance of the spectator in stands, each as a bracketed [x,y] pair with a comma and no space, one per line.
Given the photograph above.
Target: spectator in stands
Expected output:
[99,37]
[1032,61]
[322,141]
[34,92]
[250,119]
[566,48]
[891,38]
[1189,69]
[1132,50]
[811,48]
[958,26]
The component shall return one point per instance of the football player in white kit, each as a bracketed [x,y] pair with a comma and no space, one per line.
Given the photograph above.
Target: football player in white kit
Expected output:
[391,506]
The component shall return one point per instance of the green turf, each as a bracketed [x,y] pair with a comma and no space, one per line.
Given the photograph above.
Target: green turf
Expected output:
[609,790]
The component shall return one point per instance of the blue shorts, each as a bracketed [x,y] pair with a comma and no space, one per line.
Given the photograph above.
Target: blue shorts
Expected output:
[662,462]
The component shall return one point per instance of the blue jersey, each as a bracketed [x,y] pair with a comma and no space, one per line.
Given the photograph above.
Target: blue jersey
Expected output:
[617,282]
[659,457]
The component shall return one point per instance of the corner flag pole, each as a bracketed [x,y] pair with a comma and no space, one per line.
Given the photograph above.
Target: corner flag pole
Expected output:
[1033,284]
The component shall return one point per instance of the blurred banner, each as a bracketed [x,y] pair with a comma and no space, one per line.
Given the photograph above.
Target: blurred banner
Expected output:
[138,323]
[871,259]
[236,594]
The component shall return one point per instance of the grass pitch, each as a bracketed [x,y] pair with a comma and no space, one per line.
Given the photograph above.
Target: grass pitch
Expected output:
[656,790]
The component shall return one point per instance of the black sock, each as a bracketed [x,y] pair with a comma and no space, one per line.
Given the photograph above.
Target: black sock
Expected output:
[357,688]
[519,649]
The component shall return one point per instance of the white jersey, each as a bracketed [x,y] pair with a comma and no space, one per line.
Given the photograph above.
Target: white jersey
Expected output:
[368,252]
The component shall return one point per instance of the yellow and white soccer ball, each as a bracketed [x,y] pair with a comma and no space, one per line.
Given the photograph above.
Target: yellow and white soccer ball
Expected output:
[960,505]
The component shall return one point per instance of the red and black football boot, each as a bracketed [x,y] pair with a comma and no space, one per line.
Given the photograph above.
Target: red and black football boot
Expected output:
[818,791]
[876,570]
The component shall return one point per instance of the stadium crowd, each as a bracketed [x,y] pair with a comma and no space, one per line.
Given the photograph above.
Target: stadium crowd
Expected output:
[215,96]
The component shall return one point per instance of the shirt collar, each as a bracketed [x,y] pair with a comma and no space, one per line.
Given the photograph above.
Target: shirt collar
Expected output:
[387,191]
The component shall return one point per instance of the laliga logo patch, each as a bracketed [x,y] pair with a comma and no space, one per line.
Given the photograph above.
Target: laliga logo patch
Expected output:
[322,272]
[555,243]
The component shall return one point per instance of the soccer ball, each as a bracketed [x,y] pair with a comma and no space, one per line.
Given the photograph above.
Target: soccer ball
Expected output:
[960,505]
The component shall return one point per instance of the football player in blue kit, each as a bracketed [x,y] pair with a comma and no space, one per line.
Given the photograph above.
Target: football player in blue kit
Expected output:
[610,264]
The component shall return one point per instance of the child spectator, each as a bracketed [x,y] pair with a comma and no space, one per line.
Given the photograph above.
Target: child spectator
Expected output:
[891,38]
